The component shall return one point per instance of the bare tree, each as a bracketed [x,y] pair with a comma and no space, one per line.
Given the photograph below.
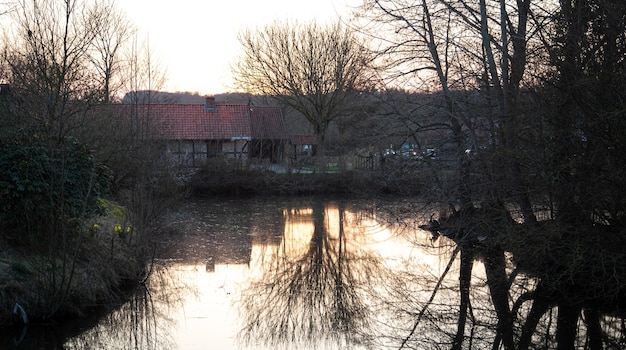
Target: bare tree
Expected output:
[311,68]
[143,74]
[476,56]
[448,47]
[114,32]
[48,59]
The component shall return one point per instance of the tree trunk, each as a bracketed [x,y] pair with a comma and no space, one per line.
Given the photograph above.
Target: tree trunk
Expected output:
[541,304]
[465,277]
[594,330]
[498,287]
[567,323]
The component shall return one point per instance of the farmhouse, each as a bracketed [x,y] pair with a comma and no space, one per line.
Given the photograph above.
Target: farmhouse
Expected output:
[194,133]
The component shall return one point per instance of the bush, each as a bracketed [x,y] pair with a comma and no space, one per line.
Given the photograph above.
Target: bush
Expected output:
[47,189]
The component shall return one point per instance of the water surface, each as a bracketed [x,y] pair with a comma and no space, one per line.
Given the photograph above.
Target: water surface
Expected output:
[304,273]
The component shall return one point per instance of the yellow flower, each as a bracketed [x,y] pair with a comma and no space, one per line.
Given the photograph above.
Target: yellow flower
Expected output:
[96,226]
[128,229]
[118,228]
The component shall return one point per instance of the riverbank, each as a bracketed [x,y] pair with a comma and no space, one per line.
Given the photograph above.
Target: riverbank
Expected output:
[43,287]
[219,181]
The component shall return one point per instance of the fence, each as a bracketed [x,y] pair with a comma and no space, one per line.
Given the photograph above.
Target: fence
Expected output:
[338,163]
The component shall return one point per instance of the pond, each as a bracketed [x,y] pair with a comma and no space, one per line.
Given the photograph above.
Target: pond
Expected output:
[305,273]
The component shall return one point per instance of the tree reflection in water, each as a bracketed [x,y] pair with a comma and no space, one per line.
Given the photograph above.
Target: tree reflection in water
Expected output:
[347,274]
[310,288]
[498,304]
[143,322]
[334,284]
[352,278]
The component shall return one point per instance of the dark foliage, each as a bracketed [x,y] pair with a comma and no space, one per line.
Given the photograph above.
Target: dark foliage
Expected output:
[44,189]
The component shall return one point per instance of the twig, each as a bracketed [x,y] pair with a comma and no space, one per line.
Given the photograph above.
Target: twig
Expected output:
[432,296]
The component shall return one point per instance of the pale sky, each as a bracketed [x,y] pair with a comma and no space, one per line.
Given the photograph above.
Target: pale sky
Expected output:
[196,41]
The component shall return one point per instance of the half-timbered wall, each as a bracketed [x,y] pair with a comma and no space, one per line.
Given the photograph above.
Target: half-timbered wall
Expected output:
[195,153]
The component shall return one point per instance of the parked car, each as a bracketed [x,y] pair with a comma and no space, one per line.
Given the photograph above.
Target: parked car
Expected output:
[430,153]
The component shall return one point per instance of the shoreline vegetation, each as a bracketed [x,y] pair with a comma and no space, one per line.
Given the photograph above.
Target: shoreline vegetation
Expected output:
[113,259]
[405,178]
[38,289]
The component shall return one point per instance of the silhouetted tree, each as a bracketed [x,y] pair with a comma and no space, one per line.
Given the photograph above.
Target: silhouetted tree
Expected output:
[113,35]
[532,96]
[314,69]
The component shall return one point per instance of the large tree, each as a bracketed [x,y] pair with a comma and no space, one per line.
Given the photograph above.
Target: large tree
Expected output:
[536,88]
[47,62]
[314,69]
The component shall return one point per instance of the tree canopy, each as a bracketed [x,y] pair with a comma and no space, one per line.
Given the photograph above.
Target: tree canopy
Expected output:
[314,69]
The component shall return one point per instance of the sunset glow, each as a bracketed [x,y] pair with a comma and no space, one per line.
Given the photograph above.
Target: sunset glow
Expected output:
[196,41]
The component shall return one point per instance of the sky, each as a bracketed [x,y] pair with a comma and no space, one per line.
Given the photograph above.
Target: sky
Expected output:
[195,41]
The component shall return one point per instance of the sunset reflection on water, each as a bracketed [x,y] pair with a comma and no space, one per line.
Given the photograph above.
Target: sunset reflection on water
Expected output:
[308,274]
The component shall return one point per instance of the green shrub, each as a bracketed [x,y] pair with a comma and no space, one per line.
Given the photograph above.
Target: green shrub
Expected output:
[46,189]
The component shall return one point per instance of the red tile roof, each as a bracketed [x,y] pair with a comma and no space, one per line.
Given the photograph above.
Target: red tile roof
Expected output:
[194,122]
[309,139]
[267,123]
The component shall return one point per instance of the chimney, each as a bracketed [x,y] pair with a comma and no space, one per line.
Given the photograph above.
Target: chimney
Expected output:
[209,106]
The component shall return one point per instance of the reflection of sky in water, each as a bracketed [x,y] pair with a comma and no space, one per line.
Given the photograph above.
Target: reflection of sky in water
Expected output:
[209,267]
[207,319]
[266,266]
